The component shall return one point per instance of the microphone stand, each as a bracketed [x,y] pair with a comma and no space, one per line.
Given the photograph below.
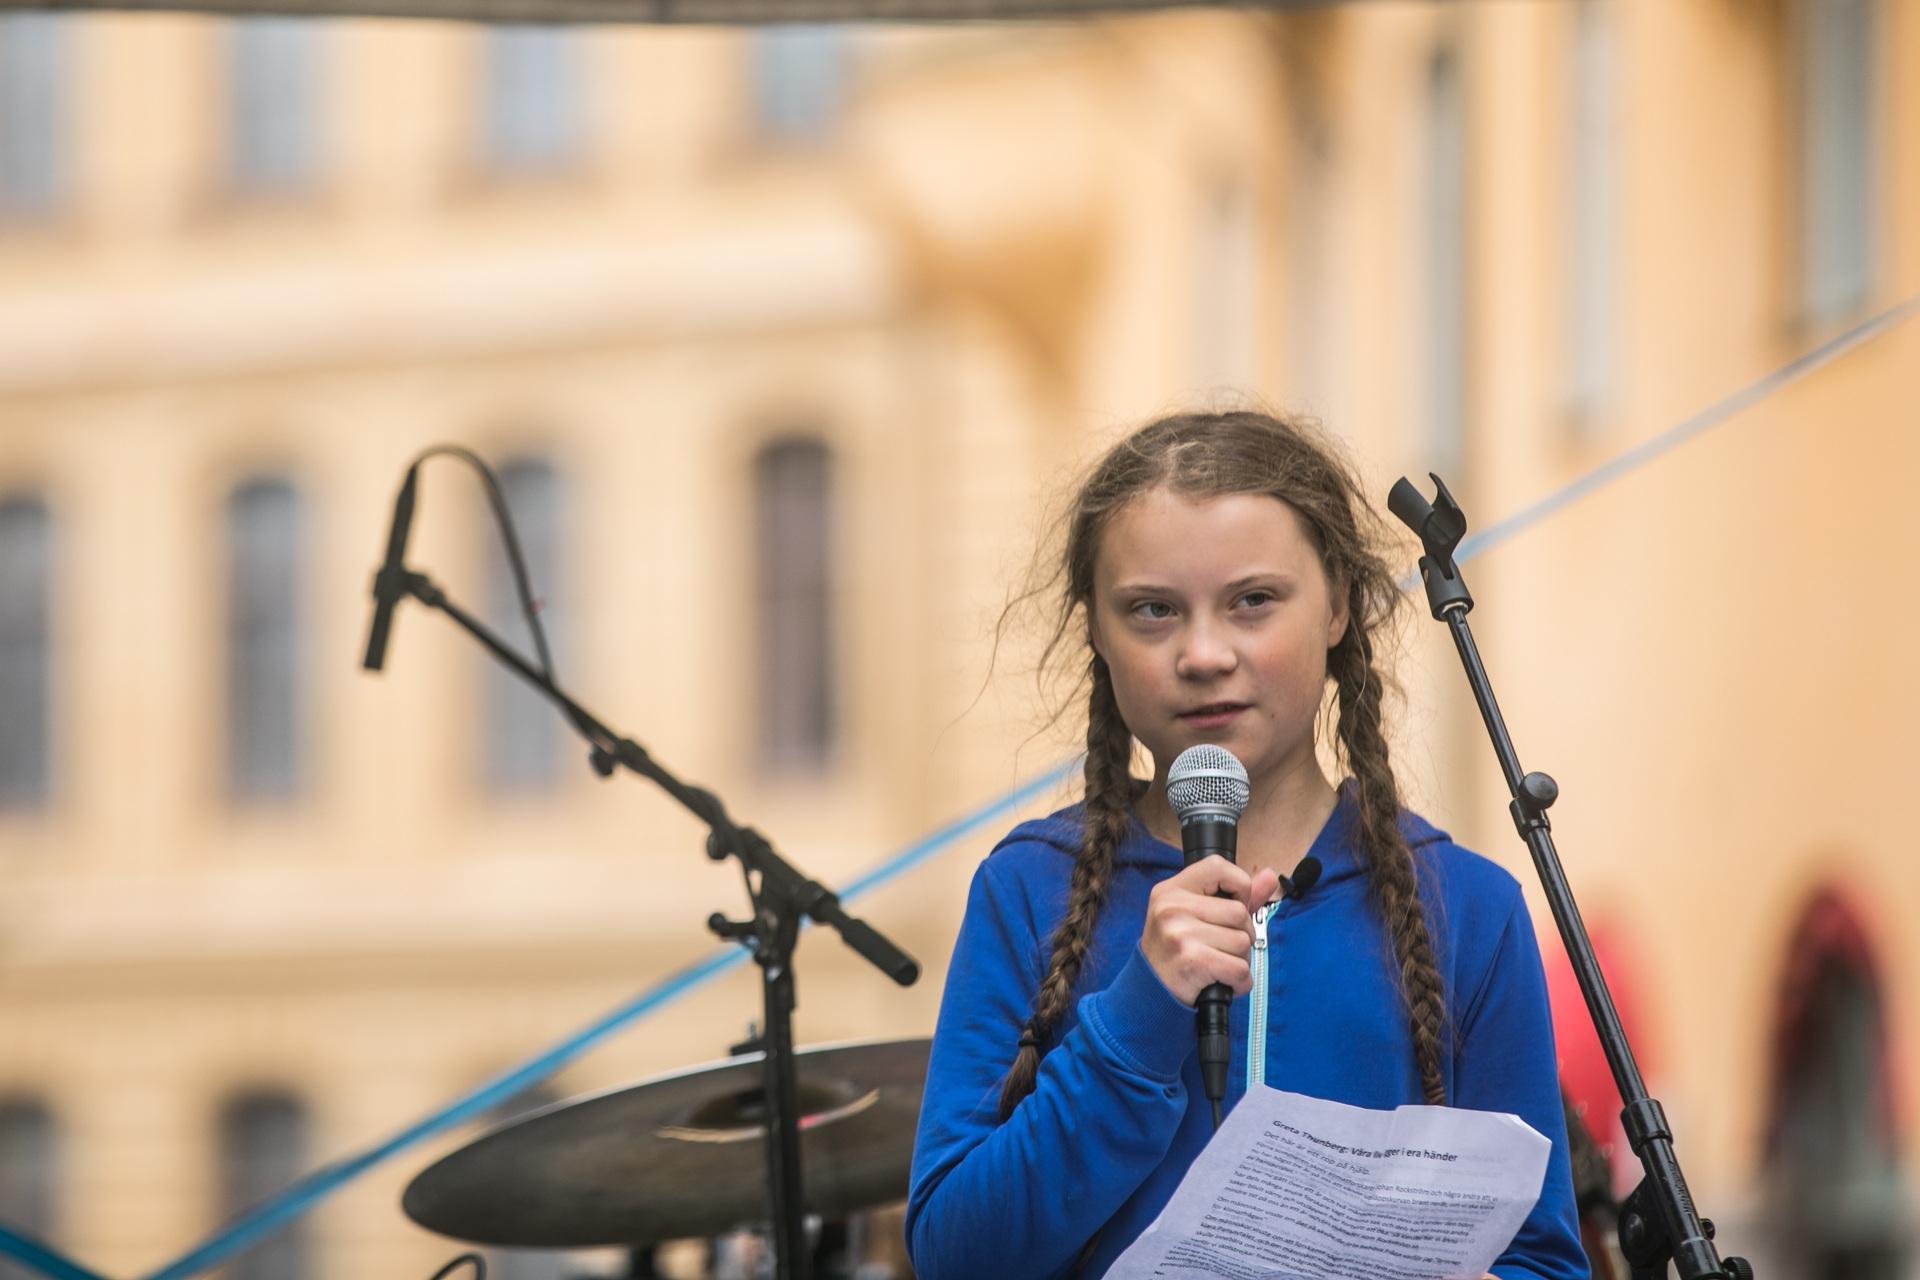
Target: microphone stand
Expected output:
[780,897]
[1658,1223]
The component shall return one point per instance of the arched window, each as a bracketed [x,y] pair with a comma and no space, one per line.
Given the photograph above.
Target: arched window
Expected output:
[273,105]
[793,505]
[32,111]
[26,574]
[1445,245]
[1837,143]
[264,569]
[264,1147]
[523,728]
[1313,252]
[1833,1146]
[27,1176]
[532,108]
[799,79]
[1591,261]
[1228,288]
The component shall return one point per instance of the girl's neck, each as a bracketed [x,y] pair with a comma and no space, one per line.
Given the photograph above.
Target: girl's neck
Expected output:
[1281,821]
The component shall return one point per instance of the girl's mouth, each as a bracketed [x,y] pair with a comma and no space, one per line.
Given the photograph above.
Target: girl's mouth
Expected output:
[1214,714]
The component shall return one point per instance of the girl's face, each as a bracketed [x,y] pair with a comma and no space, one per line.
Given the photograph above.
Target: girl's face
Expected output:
[1214,617]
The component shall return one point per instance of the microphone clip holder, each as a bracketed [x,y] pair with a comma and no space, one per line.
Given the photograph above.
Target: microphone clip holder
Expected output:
[1440,525]
[1658,1222]
[394,583]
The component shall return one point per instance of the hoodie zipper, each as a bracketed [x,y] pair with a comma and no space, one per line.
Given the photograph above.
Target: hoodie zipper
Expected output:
[1257,1003]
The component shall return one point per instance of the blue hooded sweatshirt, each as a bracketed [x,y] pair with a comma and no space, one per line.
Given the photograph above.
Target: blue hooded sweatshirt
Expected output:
[1088,1160]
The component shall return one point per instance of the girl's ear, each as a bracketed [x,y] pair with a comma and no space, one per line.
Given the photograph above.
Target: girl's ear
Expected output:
[1093,631]
[1337,618]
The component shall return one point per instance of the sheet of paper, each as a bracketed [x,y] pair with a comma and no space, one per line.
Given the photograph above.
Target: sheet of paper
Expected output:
[1298,1188]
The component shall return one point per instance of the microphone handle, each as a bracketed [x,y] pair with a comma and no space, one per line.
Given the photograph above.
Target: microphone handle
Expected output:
[1199,839]
[1216,1041]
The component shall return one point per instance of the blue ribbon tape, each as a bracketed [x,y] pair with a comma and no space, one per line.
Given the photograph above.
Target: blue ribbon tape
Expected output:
[40,1258]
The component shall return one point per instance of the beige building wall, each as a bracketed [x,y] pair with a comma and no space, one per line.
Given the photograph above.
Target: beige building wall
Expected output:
[1013,243]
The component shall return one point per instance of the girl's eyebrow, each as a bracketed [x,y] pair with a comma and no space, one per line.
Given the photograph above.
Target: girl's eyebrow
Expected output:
[1275,576]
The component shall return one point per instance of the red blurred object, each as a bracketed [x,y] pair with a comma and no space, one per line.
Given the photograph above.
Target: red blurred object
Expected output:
[1585,1077]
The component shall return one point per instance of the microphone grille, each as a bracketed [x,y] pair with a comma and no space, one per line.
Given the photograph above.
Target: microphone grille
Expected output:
[1207,781]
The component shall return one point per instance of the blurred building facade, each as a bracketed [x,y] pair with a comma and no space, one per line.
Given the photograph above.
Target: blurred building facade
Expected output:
[782,341]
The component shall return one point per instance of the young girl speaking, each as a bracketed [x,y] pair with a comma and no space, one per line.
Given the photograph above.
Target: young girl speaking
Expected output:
[1224,569]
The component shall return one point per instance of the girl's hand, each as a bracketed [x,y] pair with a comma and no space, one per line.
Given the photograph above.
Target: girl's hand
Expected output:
[1193,939]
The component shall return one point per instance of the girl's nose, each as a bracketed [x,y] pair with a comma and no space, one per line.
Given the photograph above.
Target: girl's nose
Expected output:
[1205,653]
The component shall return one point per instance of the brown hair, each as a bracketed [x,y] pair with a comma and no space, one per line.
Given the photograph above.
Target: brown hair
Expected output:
[1211,455]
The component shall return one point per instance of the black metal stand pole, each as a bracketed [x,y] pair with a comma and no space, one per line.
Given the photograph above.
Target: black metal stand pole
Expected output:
[781,896]
[770,934]
[792,1258]
[1658,1222]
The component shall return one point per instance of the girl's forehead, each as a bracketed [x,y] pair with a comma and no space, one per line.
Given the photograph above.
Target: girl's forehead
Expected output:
[1162,534]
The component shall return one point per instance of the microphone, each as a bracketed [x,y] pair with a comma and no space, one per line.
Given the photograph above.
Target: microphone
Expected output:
[389,584]
[1208,790]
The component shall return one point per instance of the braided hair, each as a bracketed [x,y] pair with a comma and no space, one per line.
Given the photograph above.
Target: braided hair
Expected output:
[1211,455]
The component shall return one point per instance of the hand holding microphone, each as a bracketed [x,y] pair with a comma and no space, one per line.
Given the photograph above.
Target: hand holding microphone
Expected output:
[1200,926]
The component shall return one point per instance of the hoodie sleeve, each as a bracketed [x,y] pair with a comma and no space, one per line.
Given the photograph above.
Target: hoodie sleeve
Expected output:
[1506,1062]
[1023,1197]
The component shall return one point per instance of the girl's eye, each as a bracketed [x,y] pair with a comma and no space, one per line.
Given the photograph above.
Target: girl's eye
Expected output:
[1257,598]
[1145,607]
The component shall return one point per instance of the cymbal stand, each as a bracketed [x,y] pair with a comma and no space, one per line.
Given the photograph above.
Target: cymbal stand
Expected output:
[780,894]
[1658,1223]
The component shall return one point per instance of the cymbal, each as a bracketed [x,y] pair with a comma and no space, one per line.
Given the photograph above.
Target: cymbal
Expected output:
[681,1155]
